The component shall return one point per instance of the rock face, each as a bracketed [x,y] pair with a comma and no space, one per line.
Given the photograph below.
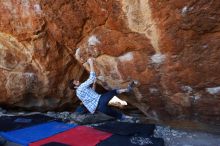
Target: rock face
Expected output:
[170,47]
[35,64]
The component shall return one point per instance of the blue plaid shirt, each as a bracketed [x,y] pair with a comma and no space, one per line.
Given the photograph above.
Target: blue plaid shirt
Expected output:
[87,95]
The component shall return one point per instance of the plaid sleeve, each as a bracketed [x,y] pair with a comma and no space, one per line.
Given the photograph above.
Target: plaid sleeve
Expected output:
[89,81]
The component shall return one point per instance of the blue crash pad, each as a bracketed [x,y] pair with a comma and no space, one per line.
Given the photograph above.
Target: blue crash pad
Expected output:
[35,133]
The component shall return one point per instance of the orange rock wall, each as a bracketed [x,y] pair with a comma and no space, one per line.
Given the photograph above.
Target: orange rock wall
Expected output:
[170,47]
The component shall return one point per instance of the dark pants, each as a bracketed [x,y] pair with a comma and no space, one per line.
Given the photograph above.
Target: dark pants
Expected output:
[81,109]
[103,104]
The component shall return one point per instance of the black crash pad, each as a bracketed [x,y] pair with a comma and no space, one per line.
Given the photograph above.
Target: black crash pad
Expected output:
[55,144]
[136,140]
[125,128]
[8,123]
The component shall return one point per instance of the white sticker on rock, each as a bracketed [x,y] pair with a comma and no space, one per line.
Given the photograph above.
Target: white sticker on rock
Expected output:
[28,74]
[126,57]
[37,8]
[187,89]
[184,10]
[196,96]
[153,90]
[213,90]
[93,40]
[158,58]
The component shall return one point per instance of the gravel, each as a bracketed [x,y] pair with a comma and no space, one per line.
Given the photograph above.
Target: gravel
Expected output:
[174,137]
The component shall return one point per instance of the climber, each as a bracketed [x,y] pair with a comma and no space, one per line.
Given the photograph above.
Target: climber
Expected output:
[94,101]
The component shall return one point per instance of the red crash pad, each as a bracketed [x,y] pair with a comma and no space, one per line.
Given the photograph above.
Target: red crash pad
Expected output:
[78,136]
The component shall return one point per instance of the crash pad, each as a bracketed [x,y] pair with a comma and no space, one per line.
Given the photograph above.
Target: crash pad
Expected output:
[31,134]
[55,144]
[8,123]
[78,136]
[135,140]
[125,128]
